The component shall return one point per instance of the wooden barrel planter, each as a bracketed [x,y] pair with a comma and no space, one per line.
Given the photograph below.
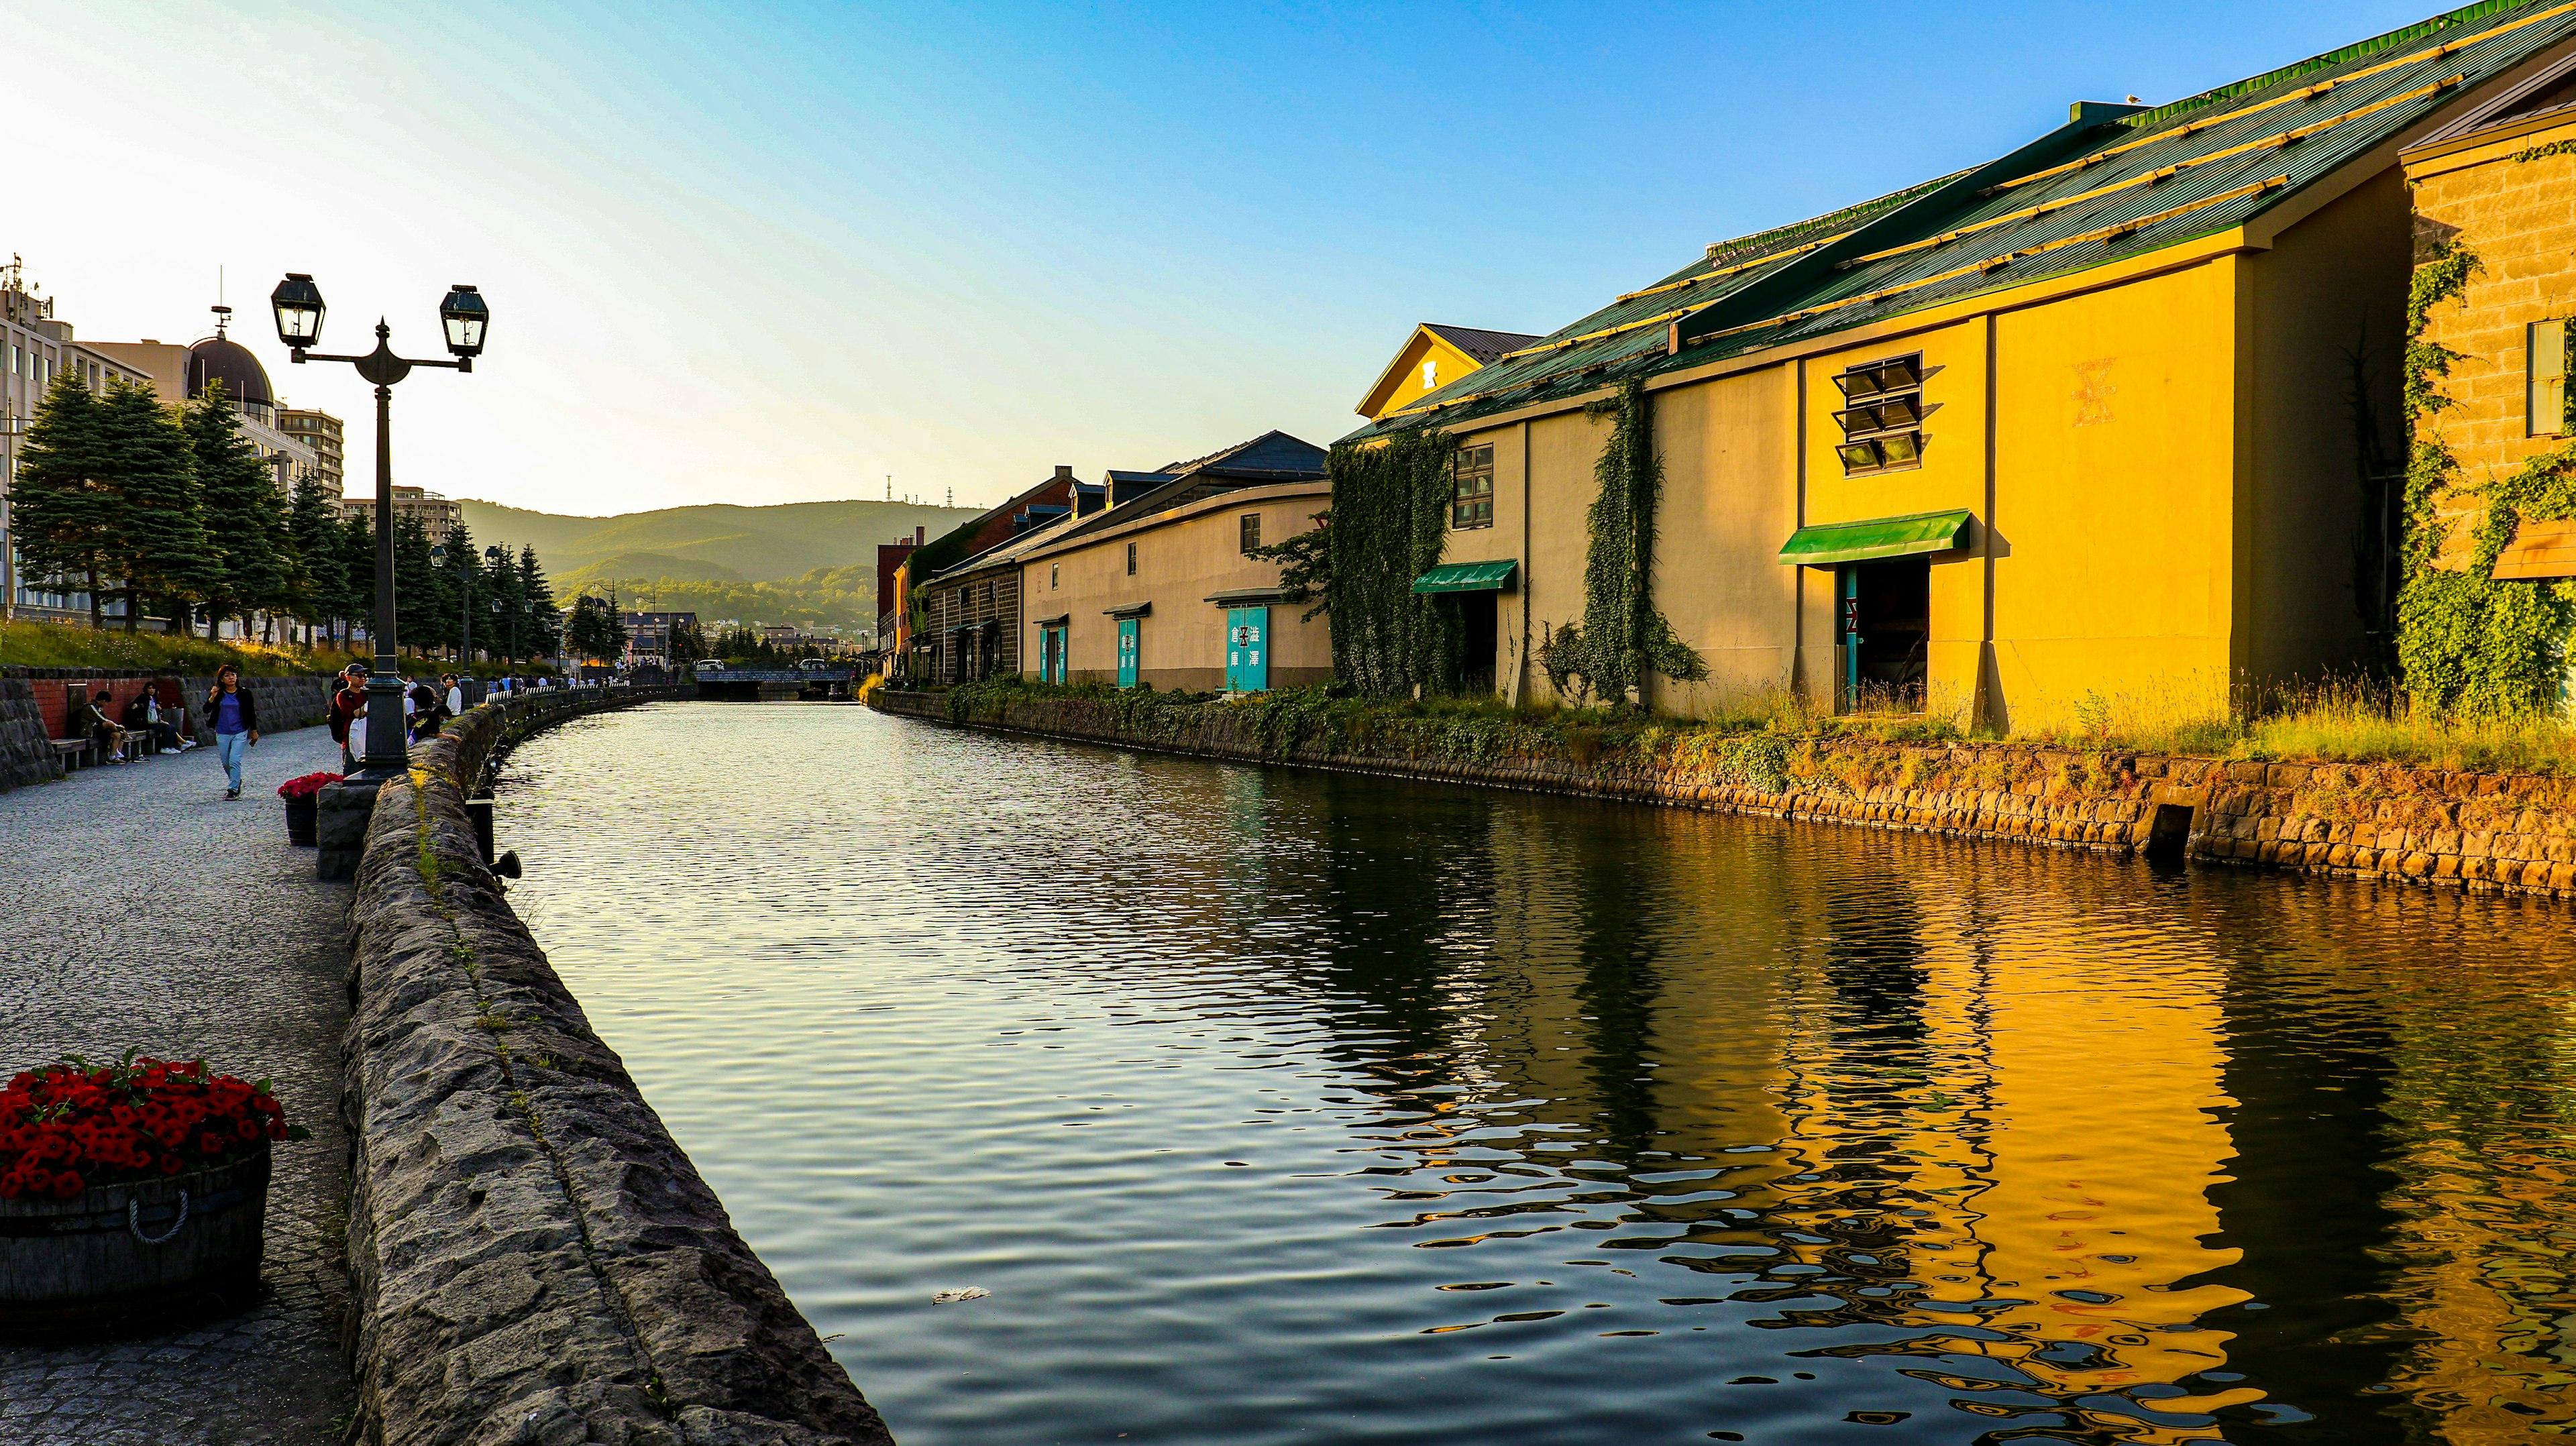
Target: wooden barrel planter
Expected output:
[143,1256]
[303,820]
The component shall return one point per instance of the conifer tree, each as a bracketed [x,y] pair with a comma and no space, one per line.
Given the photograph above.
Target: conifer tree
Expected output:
[313,527]
[63,503]
[240,509]
[540,621]
[499,606]
[159,543]
[357,576]
[418,594]
[459,583]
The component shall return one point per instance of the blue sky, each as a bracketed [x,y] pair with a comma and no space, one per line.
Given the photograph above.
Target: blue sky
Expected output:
[775,253]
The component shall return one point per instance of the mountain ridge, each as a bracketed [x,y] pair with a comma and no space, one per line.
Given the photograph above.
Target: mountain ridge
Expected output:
[711,541]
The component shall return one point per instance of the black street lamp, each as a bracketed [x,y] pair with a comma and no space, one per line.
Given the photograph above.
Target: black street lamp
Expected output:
[297,303]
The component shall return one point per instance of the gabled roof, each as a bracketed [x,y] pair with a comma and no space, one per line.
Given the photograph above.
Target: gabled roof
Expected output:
[2111,184]
[1484,346]
[1273,455]
[1479,347]
[1270,457]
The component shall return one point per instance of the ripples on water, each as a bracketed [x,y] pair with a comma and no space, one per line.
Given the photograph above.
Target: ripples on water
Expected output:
[1276,1106]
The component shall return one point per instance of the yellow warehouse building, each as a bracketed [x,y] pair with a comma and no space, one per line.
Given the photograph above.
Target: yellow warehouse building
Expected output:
[2091,427]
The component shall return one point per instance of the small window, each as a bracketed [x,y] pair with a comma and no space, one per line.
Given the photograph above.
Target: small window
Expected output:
[1882,416]
[1431,374]
[1471,494]
[2547,412]
[1052,572]
[1131,559]
[1251,530]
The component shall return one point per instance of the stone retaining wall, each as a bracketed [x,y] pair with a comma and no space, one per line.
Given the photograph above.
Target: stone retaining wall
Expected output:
[2487,832]
[533,1258]
[26,749]
[33,711]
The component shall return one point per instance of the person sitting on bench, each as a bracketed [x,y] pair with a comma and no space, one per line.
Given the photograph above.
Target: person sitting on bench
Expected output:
[95,722]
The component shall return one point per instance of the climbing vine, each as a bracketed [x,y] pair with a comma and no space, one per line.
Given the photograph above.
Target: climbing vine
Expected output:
[1623,634]
[2467,642]
[1389,520]
[2540,153]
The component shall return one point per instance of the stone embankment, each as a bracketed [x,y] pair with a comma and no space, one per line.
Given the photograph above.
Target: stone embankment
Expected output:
[2479,831]
[532,1256]
[32,709]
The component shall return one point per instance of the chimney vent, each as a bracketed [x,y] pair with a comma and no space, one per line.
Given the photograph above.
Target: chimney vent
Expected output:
[1063,473]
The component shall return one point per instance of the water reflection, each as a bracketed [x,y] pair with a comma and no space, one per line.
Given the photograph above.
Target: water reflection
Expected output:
[1279,1106]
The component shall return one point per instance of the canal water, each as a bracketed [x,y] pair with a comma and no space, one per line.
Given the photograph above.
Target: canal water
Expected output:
[1274,1106]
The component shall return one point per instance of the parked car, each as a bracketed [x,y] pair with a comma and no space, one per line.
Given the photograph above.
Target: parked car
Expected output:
[711,665]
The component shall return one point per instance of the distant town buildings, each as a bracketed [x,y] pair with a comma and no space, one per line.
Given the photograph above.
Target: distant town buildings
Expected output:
[649,636]
[439,515]
[319,431]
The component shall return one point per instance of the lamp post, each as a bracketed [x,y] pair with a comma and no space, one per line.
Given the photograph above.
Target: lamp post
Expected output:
[297,303]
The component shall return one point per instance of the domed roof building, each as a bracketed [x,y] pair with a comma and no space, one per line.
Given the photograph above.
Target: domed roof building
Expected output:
[218,358]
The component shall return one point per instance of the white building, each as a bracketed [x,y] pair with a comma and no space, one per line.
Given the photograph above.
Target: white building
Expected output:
[35,345]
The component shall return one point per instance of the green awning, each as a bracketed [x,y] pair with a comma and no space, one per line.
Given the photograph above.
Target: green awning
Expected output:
[1878,537]
[1467,577]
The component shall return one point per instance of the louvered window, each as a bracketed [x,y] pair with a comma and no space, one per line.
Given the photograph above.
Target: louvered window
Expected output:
[1882,415]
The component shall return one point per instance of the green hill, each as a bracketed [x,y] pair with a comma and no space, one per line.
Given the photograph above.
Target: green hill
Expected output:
[712,542]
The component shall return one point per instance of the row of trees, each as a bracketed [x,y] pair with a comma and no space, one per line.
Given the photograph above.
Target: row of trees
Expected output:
[177,510]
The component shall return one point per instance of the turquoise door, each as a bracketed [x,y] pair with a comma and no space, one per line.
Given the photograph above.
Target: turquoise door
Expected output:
[1127,641]
[1051,657]
[1247,649]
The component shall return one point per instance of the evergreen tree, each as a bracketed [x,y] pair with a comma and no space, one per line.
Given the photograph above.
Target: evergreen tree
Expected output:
[64,503]
[313,528]
[540,620]
[240,509]
[357,576]
[498,616]
[615,628]
[159,543]
[418,593]
[460,579]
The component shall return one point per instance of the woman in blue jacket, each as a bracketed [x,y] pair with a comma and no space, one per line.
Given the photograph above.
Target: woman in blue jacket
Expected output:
[234,715]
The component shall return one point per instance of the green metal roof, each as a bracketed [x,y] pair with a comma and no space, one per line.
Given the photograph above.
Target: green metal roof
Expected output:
[1832,542]
[1467,577]
[2091,192]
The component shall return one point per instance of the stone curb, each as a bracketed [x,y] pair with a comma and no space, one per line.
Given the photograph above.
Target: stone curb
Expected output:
[533,1257]
[2482,833]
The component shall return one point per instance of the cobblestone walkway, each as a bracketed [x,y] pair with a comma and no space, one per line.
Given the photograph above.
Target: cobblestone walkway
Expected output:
[137,907]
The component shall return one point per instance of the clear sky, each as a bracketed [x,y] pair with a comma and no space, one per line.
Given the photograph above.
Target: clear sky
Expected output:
[775,253]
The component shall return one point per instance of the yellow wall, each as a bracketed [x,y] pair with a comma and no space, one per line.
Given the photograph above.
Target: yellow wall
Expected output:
[1953,475]
[2113,515]
[1182,557]
[1716,576]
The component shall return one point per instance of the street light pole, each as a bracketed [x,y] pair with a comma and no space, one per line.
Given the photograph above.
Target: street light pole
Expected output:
[298,305]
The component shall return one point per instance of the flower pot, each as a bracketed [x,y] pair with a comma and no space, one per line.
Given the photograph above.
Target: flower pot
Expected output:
[302,817]
[143,1256]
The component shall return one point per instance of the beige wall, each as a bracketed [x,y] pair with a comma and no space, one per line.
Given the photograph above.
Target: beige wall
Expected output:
[1182,557]
[2333,287]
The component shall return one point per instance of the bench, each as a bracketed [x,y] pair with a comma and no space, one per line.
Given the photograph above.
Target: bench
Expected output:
[73,752]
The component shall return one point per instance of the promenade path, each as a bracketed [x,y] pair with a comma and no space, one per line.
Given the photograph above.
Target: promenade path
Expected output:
[138,908]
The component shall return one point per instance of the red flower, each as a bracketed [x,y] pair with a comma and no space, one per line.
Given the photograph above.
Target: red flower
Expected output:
[169,1164]
[71,1124]
[67,1184]
[211,1144]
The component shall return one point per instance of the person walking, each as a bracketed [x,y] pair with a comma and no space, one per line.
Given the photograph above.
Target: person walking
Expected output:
[235,714]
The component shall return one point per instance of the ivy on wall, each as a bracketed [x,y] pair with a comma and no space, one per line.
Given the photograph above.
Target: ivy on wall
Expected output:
[1623,634]
[2467,642]
[1390,519]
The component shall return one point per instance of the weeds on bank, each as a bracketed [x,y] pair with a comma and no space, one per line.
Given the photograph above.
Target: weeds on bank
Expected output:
[1768,739]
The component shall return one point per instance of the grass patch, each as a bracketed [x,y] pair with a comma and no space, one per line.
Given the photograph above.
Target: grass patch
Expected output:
[71,645]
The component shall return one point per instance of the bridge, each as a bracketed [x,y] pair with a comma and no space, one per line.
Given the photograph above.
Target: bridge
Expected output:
[751,684]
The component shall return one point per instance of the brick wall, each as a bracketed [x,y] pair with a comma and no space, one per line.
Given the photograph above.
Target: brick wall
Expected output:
[2519,217]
